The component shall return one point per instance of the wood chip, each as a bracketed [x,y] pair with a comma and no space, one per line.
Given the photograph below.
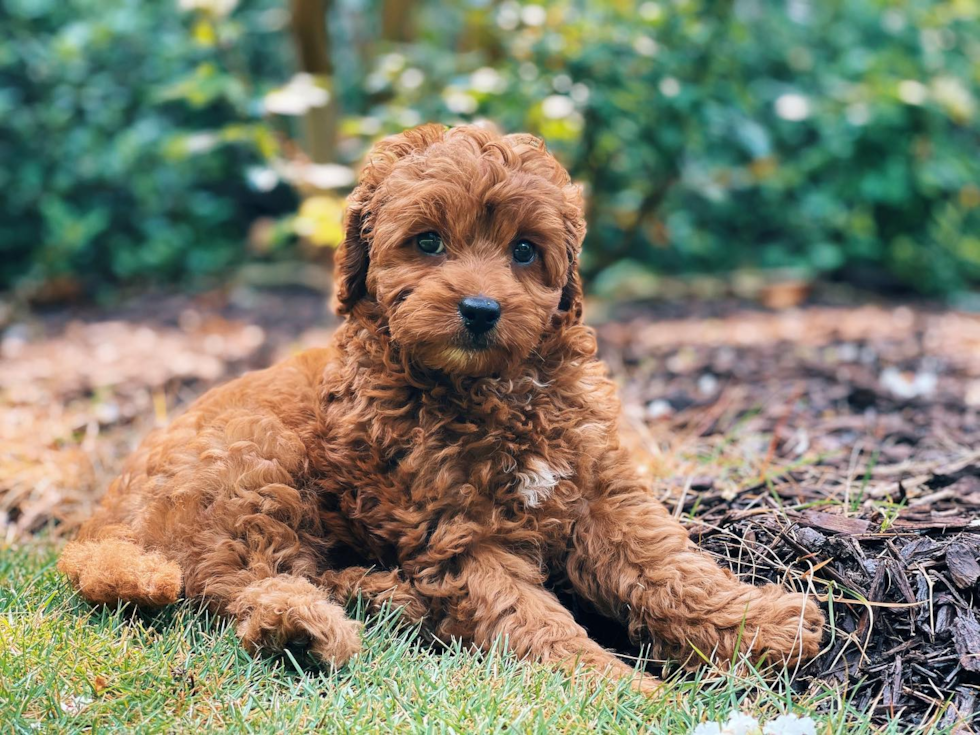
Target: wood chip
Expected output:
[961,560]
[833,523]
[966,637]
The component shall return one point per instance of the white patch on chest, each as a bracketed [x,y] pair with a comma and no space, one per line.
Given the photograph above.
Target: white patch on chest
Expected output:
[538,481]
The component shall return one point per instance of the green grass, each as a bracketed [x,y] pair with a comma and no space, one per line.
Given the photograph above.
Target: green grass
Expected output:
[65,667]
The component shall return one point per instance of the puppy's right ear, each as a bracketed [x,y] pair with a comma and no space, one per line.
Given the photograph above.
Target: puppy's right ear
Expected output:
[354,254]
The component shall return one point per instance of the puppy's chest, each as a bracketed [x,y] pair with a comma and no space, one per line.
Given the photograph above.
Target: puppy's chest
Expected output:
[509,457]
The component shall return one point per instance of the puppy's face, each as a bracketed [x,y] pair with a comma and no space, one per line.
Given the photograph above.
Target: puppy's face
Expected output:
[470,243]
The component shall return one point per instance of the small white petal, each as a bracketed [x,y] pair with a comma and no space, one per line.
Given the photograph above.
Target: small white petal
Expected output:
[411,78]
[460,102]
[669,87]
[557,106]
[487,80]
[793,107]
[645,46]
[912,92]
[790,725]
[533,15]
[707,728]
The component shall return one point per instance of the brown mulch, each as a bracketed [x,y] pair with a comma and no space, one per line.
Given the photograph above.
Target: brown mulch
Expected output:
[835,450]
[830,448]
[80,388]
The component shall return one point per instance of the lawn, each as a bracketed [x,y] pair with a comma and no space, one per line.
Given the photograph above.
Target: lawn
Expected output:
[67,668]
[831,449]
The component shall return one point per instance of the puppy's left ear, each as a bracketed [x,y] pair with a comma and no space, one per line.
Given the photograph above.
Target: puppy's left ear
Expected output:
[571,295]
[352,257]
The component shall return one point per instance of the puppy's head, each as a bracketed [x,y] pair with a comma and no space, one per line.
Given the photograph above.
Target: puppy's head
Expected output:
[467,242]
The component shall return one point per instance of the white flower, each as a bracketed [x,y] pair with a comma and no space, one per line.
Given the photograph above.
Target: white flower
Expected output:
[73,705]
[217,8]
[651,11]
[858,114]
[369,125]
[562,83]
[459,101]
[707,728]
[658,409]
[533,15]
[669,87]
[262,178]
[790,725]
[487,80]
[299,95]
[317,175]
[799,11]
[508,16]
[912,92]
[645,46]
[557,106]
[908,386]
[391,64]
[528,71]
[580,93]
[200,142]
[328,175]
[740,723]
[408,118]
[893,21]
[951,93]
[411,78]
[793,107]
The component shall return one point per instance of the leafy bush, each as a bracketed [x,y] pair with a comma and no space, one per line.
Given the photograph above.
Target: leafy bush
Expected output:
[834,137]
[838,138]
[124,143]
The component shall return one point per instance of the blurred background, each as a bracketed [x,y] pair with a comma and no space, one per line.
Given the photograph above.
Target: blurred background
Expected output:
[729,147]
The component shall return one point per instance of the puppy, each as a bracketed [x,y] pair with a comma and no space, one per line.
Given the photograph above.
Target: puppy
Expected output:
[454,447]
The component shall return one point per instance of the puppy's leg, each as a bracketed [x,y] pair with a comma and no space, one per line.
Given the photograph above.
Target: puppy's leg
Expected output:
[499,597]
[257,561]
[275,611]
[376,589]
[220,501]
[633,560]
[113,568]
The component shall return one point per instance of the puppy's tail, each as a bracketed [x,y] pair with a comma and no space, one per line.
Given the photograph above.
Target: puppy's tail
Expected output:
[108,571]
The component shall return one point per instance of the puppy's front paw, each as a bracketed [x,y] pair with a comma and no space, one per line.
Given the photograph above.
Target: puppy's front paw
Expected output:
[276,612]
[787,627]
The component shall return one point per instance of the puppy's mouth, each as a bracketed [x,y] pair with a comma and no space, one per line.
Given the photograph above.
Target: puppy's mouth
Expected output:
[471,353]
[476,342]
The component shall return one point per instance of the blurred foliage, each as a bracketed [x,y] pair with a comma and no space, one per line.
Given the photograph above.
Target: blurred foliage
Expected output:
[125,140]
[828,137]
[832,138]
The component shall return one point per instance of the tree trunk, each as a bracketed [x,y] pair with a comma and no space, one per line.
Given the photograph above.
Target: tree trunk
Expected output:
[309,29]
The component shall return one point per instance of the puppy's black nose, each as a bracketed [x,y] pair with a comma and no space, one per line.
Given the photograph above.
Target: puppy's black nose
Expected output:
[479,313]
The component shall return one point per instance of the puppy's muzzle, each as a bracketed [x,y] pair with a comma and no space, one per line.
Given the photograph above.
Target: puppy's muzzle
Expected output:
[479,313]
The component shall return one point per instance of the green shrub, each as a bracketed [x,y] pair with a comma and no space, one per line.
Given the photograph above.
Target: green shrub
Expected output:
[124,143]
[834,137]
[838,138]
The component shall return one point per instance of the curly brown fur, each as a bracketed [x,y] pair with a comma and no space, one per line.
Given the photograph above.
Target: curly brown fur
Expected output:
[410,464]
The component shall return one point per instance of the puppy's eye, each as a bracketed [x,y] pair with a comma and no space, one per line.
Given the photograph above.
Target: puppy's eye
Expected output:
[430,243]
[524,252]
